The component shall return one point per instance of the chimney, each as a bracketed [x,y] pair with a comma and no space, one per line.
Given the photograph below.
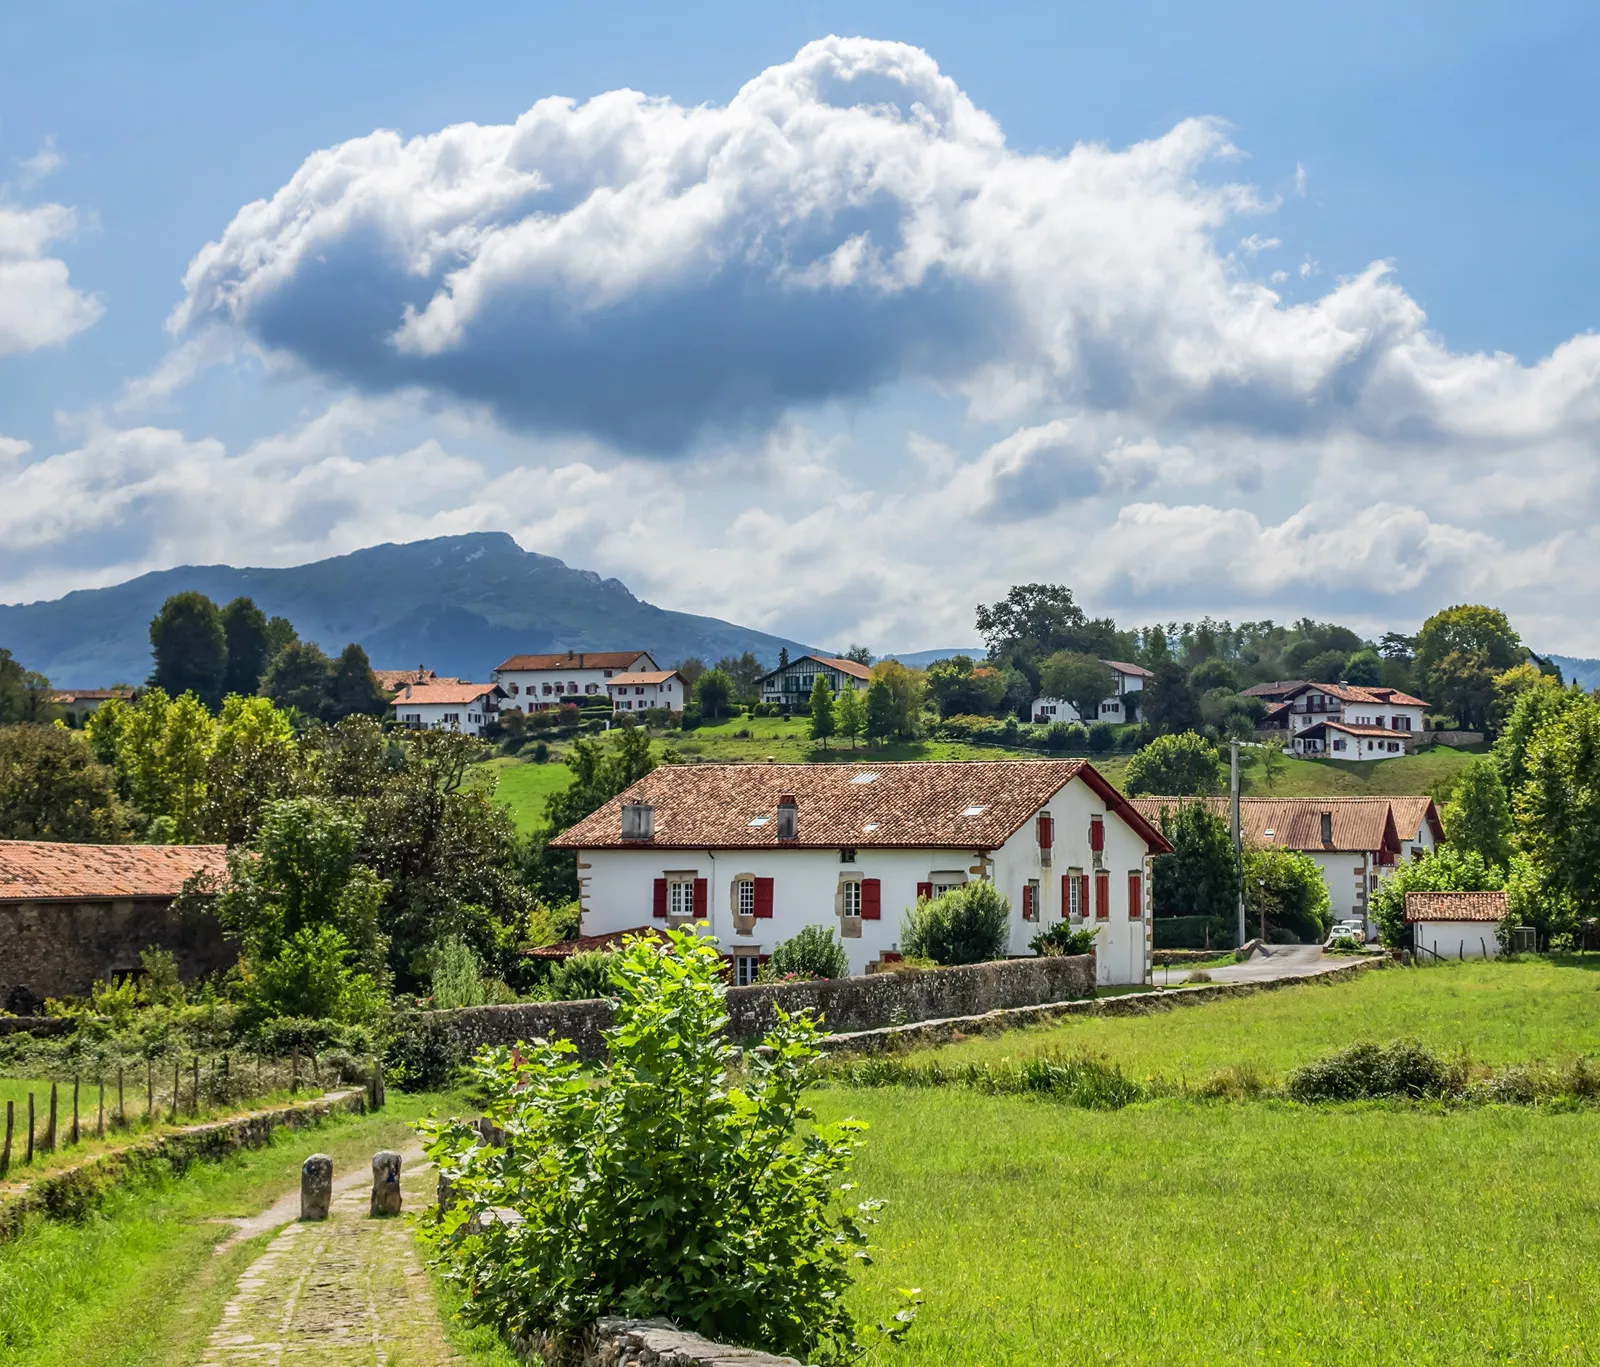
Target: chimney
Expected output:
[788,818]
[638,821]
[1327,828]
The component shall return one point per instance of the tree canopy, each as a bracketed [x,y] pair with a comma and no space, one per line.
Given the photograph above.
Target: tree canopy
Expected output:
[1082,680]
[190,648]
[1183,765]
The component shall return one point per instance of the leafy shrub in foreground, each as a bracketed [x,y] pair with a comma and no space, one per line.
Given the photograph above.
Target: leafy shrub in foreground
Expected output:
[812,953]
[668,1185]
[967,925]
[1364,1071]
[1061,939]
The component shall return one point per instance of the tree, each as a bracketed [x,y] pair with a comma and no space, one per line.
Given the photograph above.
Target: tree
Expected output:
[970,924]
[280,632]
[160,749]
[962,688]
[745,671]
[1184,765]
[254,762]
[1081,680]
[1285,894]
[1558,815]
[24,694]
[783,657]
[53,788]
[299,678]
[1459,651]
[1168,705]
[1478,817]
[1200,877]
[1363,669]
[690,669]
[353,688]
[1445,869]
[244,631]
[908,690]
[1034,621]
[821,711]
[714,692]
[1530,711]
[190,648]
[880,712]
[860,654]
[849,714]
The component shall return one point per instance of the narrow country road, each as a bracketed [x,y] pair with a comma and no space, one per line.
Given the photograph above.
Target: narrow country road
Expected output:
[1270,961]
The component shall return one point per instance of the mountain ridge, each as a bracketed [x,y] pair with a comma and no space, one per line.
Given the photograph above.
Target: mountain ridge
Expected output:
[457,604]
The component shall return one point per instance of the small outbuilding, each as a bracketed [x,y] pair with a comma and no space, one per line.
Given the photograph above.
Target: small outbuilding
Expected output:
[1455,925]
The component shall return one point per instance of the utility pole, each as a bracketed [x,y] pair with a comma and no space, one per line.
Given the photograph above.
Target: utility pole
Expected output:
[1238,845]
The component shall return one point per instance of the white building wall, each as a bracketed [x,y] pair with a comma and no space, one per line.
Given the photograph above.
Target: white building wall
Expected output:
[642,697]
[1457,939]
[1346,875]
[432,716]
[529,694]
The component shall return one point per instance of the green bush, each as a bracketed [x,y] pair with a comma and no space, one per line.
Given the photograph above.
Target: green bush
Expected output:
[1366,1071]
[1061,939]
[580,978]
[813,953]
[1066,735]
[673,1182]
[1181,765]
[1102,738]
[967,925]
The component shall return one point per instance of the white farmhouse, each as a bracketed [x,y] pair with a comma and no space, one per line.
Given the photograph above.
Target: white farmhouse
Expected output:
[1129,679]
[790,685]
[753,853]
[1342,721]
[1455,925]
[537,683]
[647,689]
[454,706]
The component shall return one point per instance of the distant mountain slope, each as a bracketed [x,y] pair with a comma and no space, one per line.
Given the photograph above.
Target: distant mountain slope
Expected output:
[458,604]
[921,659]
[1584,673]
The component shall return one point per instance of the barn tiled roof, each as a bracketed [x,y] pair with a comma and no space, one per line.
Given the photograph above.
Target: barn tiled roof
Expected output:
[975,805]
[1360,824]
[582,659]
[43,870]
[1381,732]
[1456,906]
[1132,671]
[1277,688]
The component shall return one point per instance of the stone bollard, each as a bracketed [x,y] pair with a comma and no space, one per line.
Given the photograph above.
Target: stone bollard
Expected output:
[385,1183]
[316,1187]
[445,1192]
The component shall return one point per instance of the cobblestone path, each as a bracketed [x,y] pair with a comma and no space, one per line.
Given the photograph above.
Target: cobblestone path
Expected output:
[350,1291]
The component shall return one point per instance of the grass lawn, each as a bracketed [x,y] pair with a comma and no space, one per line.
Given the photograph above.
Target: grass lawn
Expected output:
[1177,1232]
[524,787]
[139,1283]
[1533,1010]
[1360,778]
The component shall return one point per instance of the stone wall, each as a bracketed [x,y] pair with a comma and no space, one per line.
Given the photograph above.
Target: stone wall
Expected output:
[647,1343]
[61,949]
[845,1004]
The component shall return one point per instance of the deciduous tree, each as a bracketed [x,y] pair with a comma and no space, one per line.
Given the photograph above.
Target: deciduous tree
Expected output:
[24,694]
[1478,817]
[714,693]
[244,630]
[880,711]
[1167,703]
[1460,650]
[1079,679]
[53,788]
[849,714]
[190,648]
[1200,877]
[1184,765]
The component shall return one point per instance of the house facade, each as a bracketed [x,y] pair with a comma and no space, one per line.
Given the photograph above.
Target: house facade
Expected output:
[1354,841]
[1115,708]
[1344,722]
[468,707]
[1456,925]
[647,689]
[790,685]
[753,853]
[77,706]
[537,683]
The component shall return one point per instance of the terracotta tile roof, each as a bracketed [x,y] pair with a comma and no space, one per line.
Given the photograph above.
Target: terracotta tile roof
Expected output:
[586,944]
[463,694]
[1361,825]
[591,659]
[42,870]
[1411,812]
[1276,689]
[1376,697]
[1382,731]
[1456,906]
[91,695]
[851,667]
[655,676]
[975,805]
[1133,671]
[392,680]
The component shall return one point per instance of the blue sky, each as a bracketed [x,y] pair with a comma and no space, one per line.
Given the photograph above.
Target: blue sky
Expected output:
[849,377]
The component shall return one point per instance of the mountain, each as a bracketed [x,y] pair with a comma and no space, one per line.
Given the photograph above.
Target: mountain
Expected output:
[921,659]
[457,604]
[1584,673]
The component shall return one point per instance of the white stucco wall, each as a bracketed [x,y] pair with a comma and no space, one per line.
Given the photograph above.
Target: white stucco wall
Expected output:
[433,716]
[1457,939]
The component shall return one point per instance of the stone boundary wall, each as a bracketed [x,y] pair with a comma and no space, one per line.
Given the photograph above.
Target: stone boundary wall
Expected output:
[37,1025]
[846,1004]
[645,1343]
[1452,737]
[1134,1004]
[72,1192]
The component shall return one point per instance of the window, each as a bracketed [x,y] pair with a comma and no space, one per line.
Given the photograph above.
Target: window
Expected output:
[745,969]
[745,903]
[572,686]
[591,688]
[1135,896]
[1071,889]
[547,690]
[513,690]
[1097,833]
[847,856]
[1030,900]
[1338,744]
[560,688]
[452,719]
[639,691]
[680,895]
[852,897]
[609,673]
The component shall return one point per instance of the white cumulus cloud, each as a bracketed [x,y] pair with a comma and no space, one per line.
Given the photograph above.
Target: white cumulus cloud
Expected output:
[38,305]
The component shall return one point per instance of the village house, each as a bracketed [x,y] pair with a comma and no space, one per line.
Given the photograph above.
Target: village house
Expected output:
[74,915]
[1117,707]
[790,685]
[647,690]
[77,706]
[1456,925]
[537,683]
[1354,841]
[471,708]
[753,853]
[1346,722]
[391,681]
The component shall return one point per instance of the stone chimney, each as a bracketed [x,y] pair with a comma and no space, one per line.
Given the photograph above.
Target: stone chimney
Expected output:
[638,821]
[788,817]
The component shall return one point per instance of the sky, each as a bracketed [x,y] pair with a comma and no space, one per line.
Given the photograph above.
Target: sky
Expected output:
[828,320]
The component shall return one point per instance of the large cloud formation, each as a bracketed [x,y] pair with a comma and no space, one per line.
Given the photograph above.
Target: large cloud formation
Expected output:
[645,273]
[38,306]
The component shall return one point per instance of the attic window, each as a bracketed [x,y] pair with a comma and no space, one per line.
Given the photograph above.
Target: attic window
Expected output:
[1269,832]
[870,826]
[759,820]
[974,810]
[865,778]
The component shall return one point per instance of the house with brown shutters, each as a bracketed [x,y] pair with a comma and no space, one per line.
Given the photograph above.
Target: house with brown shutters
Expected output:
[537,683]
[753,853]
[790,685]
[1346,722]
[471,708]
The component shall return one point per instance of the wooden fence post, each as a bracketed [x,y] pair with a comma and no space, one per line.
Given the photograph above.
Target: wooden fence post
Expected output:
[149,1088]
[5,1154]
[75,1132]
[100,1118]
[194,1091]
[294,1070]
[122,1114]
[29,1158]
[50,1134]
[177,1085]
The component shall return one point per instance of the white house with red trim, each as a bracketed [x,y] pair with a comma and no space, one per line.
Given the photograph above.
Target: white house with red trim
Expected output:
[753,853]
[1346,722]
[537,683]
[452,706]
[645,690]
[1113,708]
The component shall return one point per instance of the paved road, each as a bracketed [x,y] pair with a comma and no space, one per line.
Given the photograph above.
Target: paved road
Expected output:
[1270,961]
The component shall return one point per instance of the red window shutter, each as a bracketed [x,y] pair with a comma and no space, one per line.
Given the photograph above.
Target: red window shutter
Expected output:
[1097,834]
[700,897]
[871,899]
[1066,895]
[924,890]
[1047,832]
[763,897]
[1102,897]
[660,910]
[1135,897]
[1083,894]
[1027,901]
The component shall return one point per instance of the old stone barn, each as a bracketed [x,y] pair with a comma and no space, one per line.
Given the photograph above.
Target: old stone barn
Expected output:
[74,914]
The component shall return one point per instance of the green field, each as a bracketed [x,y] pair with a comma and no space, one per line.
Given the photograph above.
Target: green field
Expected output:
[1498,1013]
[1177,1232]
[525,787]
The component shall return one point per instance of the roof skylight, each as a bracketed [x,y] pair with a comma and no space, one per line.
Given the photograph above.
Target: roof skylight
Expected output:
[870,826]
[865,778]
[975,810]
[760,820]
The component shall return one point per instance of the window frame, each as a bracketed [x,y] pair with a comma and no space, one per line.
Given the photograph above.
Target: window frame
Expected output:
[850,890]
